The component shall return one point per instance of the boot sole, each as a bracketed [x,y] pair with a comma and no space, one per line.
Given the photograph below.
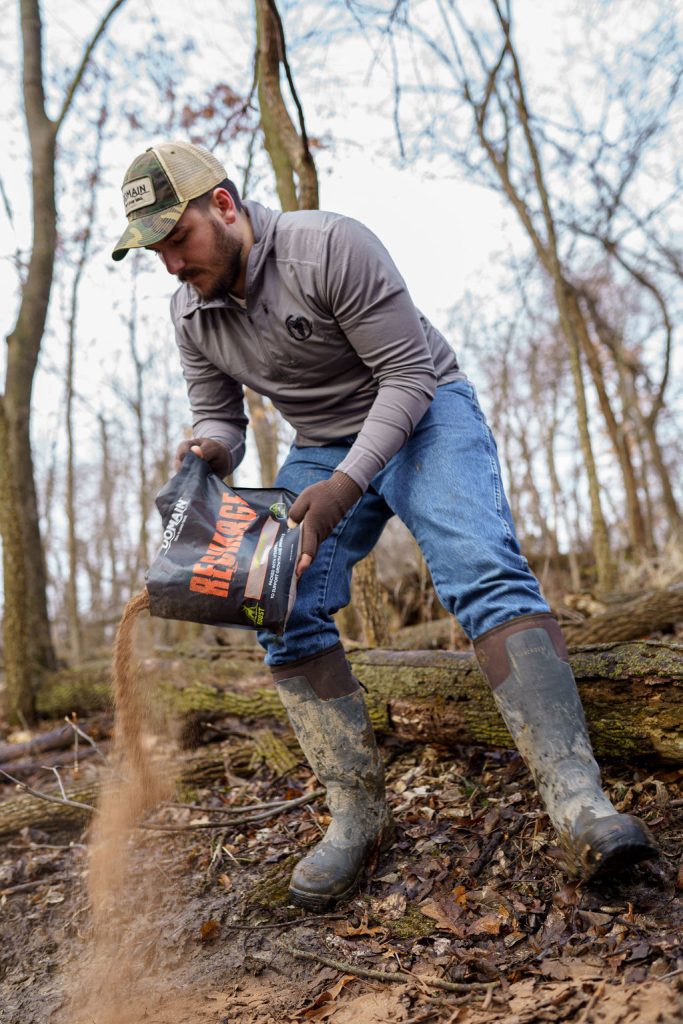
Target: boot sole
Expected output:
[319,903]
[612,845]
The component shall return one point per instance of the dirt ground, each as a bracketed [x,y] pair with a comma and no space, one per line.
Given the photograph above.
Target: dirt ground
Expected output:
[470,917]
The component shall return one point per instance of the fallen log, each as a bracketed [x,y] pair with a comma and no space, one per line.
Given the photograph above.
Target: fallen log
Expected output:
[631,694]
[633,619]
[650,613]
[25,766]
[56,739]
[25,810]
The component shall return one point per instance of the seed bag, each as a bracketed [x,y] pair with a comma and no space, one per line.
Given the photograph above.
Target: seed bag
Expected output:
[227,557]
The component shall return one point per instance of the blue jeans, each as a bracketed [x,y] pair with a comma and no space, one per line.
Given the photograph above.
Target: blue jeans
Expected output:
[445,485]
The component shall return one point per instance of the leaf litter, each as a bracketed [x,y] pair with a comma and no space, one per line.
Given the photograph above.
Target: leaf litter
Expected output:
[474,895]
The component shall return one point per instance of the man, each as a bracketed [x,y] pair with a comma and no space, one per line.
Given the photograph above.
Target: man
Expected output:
[309,309]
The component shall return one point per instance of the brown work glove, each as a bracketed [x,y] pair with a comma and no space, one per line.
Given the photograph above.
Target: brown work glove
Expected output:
[319,508]
[215,453]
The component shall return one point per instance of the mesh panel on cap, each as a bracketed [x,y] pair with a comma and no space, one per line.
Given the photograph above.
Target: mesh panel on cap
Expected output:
[192,170]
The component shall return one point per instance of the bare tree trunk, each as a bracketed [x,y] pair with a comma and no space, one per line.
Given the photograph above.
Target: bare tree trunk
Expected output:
[367,598]
[19,674]
[107,493]
[548,537]
[137,405]
[636,525]
[671,508]
[287,148]
[514,118]
[263,418]
[75,625]
[23,344]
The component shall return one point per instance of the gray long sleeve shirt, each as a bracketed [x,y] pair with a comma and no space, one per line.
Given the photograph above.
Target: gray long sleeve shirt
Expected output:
[329,333]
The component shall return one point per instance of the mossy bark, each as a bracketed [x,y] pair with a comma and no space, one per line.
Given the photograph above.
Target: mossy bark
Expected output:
[631,694]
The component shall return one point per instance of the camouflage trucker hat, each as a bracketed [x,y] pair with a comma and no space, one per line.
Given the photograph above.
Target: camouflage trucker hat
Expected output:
[157,188]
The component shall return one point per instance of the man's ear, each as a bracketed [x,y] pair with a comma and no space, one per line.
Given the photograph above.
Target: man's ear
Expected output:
[224,205]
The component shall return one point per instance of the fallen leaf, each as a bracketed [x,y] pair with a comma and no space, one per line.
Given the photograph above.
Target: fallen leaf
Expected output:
[210,930]
[226,882]
[489,924]
[460,895]
[640,951]
[346,929]
[552,929]
[322,1006]
[574,969]
[446,913]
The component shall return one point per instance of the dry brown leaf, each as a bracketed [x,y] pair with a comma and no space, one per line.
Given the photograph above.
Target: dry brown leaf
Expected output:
[446,913]
[489,924]
[226,882]
[552,929]
[346,929]
[323,1004]
[570,968]
[210,930]
[460,895]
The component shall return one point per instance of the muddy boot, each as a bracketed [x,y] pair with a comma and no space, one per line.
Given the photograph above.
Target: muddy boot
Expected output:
[527,666]
[327,710]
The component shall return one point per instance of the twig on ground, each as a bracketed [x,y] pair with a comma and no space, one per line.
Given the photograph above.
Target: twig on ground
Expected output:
[191,827]
[284,924]
[250,819]
[45,796]
[671,974]
[27,886]
[400,976]
[216,854]
[51,768]
[426,1015]
[279,805]
[84,735]
[231,855]
[494,841]
[590,1005]
[311,814]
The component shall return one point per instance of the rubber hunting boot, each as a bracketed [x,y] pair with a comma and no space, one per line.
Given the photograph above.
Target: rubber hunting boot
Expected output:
[326,708]
[527,666]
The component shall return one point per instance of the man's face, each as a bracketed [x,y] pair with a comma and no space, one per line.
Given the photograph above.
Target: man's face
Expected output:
[204,252]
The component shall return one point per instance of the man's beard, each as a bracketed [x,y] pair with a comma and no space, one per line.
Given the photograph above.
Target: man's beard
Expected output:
[227,255]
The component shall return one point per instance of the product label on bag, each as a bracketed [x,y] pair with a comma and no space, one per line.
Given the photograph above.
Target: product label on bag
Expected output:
[227,557]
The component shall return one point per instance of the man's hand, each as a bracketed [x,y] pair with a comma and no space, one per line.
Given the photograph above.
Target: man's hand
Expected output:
[319,508]
[215,453]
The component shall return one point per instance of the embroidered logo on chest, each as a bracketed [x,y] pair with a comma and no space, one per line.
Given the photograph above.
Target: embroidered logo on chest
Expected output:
[299,327]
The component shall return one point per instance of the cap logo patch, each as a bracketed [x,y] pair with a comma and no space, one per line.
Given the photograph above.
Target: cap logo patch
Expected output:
[137,193]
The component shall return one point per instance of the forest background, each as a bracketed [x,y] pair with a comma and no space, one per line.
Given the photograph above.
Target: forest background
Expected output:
[522,164]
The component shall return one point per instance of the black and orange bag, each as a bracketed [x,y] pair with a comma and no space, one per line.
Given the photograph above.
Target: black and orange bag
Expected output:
[227,556]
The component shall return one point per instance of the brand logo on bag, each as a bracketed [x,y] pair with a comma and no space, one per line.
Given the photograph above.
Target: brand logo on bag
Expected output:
[255,613]
[216,568]
[175,523]
[299,327]
[278,510]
